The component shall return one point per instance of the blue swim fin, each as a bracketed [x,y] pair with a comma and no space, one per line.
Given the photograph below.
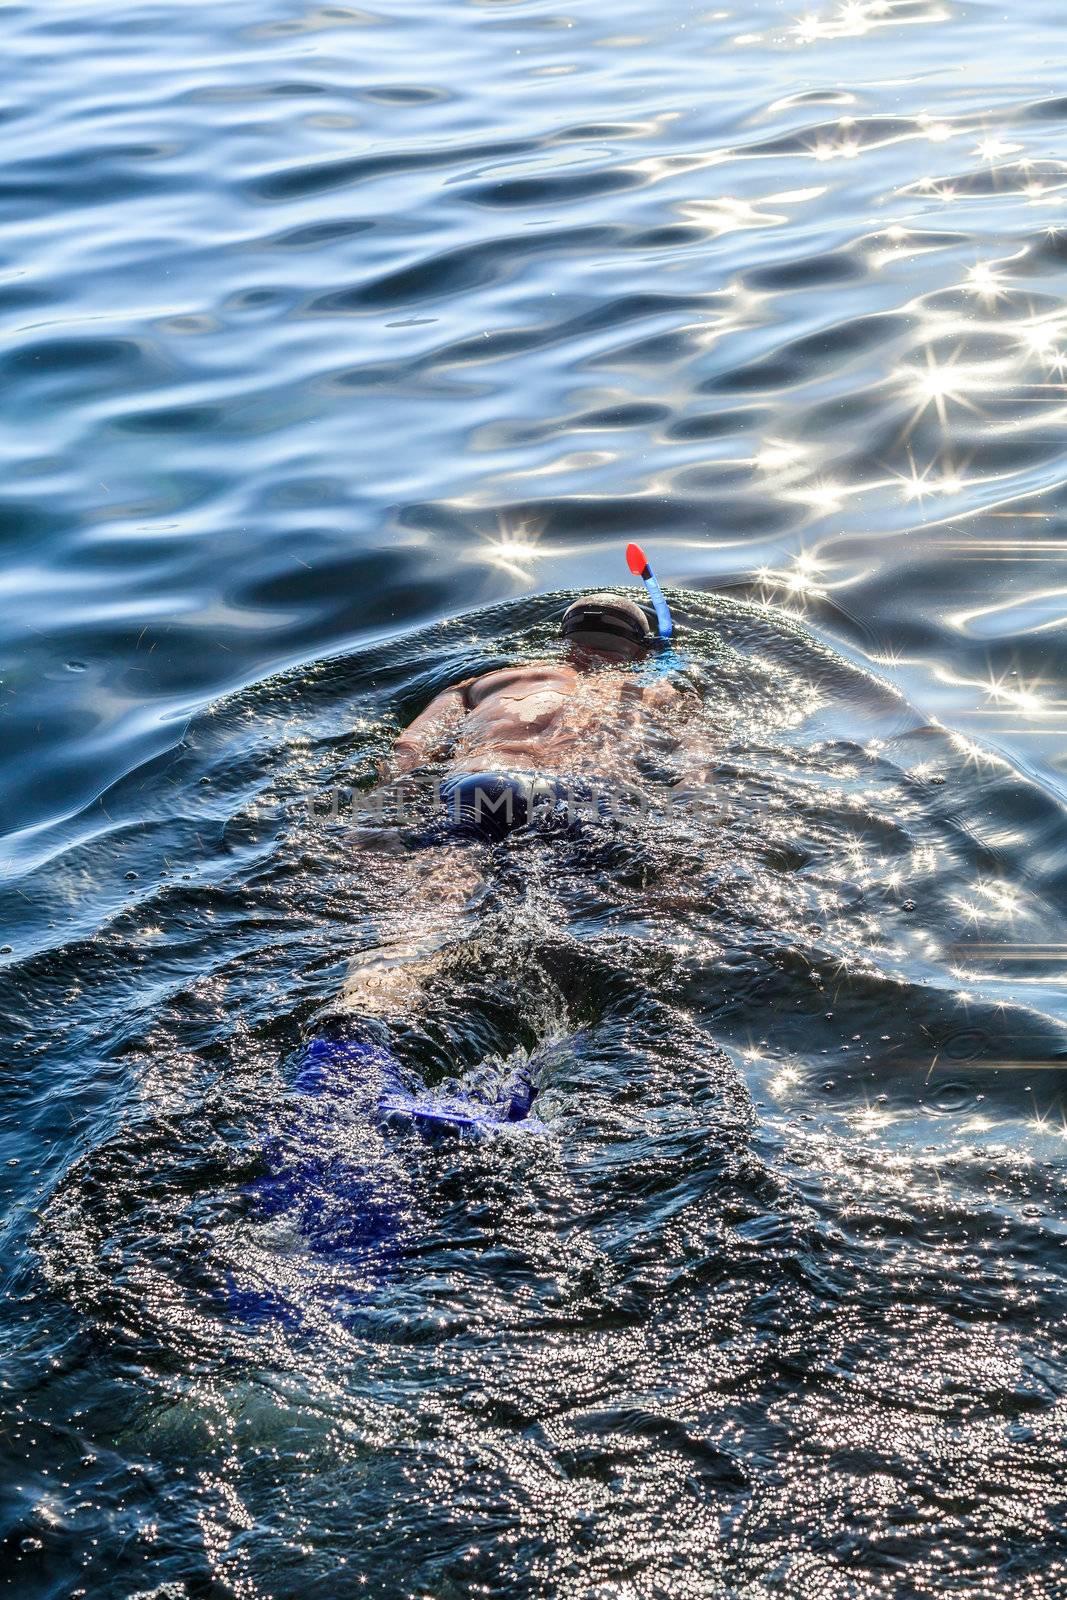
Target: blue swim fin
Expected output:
[486,1103]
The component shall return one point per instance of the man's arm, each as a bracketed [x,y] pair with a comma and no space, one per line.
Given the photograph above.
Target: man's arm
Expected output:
[419,903]
[429,733]
[694,751]
[419,743]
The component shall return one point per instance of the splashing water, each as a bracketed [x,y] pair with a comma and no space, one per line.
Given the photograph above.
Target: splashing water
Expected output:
[787,1141]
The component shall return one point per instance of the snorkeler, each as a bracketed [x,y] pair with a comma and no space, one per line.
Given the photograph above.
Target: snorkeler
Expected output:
[548,746]
[549,731]
[545,736]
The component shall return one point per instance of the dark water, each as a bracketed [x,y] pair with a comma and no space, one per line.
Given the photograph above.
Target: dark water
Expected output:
[336,344]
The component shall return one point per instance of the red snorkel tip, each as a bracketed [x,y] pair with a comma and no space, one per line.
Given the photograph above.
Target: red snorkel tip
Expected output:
[637,561]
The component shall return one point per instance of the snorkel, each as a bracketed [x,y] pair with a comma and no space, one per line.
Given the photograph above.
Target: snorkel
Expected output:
[638,564]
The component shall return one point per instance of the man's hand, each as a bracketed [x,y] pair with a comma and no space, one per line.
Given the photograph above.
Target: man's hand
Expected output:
[377,841]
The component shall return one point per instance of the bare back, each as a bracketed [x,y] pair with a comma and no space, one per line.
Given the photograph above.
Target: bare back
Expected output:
[546,718]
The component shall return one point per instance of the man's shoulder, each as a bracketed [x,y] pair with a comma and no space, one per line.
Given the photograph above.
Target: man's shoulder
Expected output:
[659,693]
[530,673]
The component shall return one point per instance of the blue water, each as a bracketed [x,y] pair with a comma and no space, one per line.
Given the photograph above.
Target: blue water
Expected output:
[337,346]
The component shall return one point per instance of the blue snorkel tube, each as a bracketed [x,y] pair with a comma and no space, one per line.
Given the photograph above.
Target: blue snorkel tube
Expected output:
[638,564]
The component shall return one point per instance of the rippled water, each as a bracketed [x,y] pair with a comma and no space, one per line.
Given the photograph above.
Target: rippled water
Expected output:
[337,345]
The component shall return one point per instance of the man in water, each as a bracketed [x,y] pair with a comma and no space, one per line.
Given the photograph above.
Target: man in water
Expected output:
[550,743]
[546,744]
[552,730]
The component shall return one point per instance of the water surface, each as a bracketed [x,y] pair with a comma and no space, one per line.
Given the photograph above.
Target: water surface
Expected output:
[339,346]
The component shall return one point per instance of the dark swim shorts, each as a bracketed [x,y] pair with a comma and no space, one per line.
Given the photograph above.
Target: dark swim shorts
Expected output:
[491,805]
